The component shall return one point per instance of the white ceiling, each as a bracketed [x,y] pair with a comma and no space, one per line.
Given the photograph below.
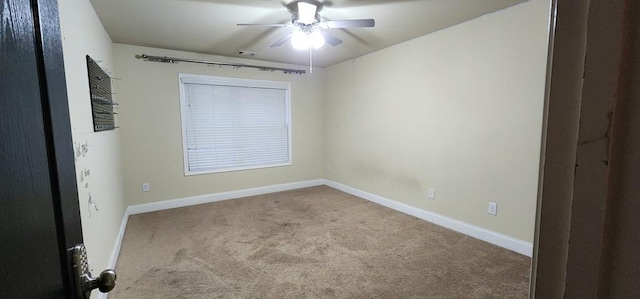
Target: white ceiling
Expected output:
[209,26]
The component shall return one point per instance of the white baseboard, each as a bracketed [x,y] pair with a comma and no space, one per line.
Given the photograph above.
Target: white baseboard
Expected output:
[513,244]
[115,252]
[195,200]
[116,247]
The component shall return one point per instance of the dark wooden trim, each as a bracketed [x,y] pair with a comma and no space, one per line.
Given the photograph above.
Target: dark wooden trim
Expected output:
[58,132]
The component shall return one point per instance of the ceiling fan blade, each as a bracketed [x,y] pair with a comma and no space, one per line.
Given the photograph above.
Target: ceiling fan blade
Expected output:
[281,41]
[350,23]
[291,6]
[331,39]
[265,25]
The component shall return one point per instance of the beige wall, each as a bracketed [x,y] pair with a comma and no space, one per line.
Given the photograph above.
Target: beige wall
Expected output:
[82,35]
[152,135]
[459,110]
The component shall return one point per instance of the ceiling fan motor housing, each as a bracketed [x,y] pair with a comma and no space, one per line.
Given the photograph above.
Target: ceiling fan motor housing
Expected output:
[295,20]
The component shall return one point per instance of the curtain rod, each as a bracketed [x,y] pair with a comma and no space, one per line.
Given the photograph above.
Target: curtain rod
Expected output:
[166,59]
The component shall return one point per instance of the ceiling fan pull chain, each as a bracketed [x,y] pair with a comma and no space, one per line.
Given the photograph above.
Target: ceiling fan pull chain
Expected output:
[310,60]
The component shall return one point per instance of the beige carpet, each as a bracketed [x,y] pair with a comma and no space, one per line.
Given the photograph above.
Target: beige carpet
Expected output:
[309,243]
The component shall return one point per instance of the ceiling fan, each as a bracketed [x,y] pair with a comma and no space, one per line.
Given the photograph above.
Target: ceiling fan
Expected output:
[309,31]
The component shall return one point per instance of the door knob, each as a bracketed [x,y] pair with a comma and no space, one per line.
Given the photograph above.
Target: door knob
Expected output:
[105,282]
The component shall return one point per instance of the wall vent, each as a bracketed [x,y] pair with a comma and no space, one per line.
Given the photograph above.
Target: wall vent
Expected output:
[247,53]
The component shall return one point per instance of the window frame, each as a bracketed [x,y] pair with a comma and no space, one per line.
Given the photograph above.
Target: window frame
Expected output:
[235,82]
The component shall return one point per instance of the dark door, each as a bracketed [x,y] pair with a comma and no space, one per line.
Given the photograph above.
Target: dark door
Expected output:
[39,215]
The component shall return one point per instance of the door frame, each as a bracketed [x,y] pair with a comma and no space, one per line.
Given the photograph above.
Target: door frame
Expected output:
[586,92]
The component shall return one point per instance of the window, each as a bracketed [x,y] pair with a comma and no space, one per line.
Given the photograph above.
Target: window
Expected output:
[234,124]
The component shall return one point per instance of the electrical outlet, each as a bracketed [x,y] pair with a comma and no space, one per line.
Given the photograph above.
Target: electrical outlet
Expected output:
[328,167]
[432,193]
[145,187]
[493,208]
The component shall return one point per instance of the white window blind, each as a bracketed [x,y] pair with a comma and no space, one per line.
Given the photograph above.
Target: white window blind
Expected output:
[234,124]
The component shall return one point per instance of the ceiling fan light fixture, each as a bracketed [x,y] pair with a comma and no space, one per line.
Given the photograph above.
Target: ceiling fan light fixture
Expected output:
[306,13]
[316,40]
[300,40]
